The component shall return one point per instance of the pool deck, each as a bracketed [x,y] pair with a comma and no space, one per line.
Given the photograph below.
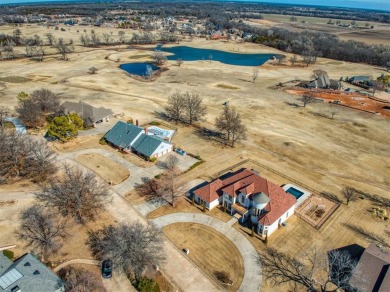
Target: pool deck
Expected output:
[305,194]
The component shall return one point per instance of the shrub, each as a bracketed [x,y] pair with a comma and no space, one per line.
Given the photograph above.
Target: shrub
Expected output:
[130,121]
[223,277]
[155,123]
[152,159]
[102,141]
[147,285]
[8,253]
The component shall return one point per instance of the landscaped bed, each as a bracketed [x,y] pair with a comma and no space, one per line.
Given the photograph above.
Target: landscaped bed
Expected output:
[183,205]
[209,250]
[109,170]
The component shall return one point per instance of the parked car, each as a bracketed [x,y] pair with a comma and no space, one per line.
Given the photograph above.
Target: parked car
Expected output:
[180,151]
[107,269]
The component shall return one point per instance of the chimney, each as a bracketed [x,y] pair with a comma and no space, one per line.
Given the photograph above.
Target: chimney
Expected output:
[136,123]
[146,130]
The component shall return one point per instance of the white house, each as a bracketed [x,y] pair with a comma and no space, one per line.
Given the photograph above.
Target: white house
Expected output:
[252,196]
[129,137]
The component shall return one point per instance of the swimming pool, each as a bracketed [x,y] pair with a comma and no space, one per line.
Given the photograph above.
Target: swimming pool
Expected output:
[296,193]
[195,54]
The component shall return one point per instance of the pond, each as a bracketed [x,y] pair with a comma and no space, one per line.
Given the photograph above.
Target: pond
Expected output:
[194,54]
[140,69]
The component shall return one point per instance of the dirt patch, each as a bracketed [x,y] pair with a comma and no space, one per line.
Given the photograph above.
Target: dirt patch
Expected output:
[209,250]
[227,86]
[15,79]
[109,170]
[349,99]
[183,205]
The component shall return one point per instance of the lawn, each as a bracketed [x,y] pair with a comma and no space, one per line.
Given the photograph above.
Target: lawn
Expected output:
[183,205]
[109,170]
[209,250]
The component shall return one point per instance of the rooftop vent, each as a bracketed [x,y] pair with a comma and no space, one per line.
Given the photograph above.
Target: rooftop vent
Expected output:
[36,272]
[27,264]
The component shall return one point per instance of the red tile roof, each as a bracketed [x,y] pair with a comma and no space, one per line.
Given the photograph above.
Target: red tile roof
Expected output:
[249,183]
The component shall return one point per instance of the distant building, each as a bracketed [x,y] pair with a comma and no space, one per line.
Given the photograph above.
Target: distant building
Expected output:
[359,79]
[372,272]
[90,114]
[129,137]
[267,205]
[27,274]
[323,82]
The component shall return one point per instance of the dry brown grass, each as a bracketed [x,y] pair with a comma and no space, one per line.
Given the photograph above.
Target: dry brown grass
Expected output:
[109,170]
[209,249]
[183,205]
[75,246]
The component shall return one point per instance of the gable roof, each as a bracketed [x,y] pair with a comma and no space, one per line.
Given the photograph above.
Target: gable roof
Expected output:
[146,144]
[249,183]
[86,111]
[122,134]
[372,272]
[29,274]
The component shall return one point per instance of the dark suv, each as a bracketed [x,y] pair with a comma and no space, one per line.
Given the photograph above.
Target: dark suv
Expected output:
[107,269]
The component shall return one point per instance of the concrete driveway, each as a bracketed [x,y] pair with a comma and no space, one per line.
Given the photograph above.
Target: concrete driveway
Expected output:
[252,276]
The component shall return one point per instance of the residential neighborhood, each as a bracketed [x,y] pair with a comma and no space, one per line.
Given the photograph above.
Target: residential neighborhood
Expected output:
[194,146]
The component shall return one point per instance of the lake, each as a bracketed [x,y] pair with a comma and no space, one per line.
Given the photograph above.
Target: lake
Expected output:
[140,69]
[194,54]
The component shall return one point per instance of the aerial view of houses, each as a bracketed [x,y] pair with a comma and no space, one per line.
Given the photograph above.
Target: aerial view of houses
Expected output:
[195,146]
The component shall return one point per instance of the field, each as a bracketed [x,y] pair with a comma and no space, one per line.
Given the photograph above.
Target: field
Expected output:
[109,170]
[380,34]
[223,256]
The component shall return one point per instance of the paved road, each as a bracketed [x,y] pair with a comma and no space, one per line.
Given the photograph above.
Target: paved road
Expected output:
[187,276]
[252,277]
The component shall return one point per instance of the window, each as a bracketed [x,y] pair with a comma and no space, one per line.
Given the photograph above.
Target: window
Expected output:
[243,200]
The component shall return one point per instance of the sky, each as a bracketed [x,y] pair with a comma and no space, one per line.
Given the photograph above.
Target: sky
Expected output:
[366,4]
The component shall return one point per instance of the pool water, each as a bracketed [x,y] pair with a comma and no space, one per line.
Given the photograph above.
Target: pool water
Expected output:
[140,69]
[194,54]
[296,193]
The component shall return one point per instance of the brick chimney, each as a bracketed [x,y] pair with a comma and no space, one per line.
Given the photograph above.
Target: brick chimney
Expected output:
[136,123]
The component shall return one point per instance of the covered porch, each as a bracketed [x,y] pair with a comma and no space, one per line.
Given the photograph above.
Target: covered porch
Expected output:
[236,208]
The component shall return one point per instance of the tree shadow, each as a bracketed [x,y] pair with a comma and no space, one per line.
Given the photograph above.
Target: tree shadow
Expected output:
[366,234]
[245,80]
[218,138]
[292,104]
[162,116]
[320,115]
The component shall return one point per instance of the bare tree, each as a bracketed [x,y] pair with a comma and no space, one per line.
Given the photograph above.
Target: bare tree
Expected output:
[170,163]
[30,113]
[132,248]
[64,48]
[255,74]
[80,280]
[50,38]
[333,110]
[170,186]
[313,271]
[377,85]
[194,107]
[159,57]
[293,60]
[230,123]
[306,99]
[106,38]
[309,58]
[179,61]
[349,194]
[149,72]
[46,99]
[42,230]
[25,156]
[78,194]
[95,39]
[149,188]
[8,48]
[176,107]
[4,111]
[92,70]
[121,35]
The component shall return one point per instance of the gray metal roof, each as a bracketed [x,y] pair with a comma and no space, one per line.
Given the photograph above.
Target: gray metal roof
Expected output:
[146,145]
[29,274]
[260,198]
[122,134]
[86,111]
